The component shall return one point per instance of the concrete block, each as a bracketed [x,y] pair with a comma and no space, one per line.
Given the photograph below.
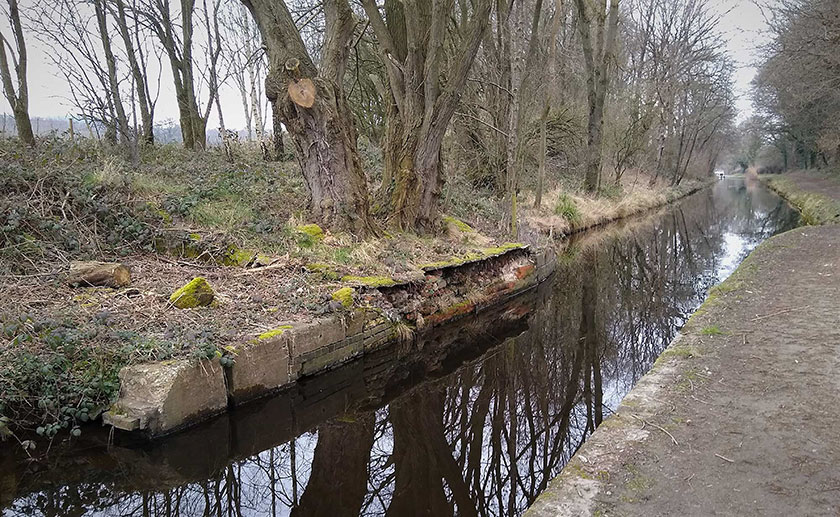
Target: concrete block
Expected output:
[259,368]
[333,356]
[158,398]
[314,335]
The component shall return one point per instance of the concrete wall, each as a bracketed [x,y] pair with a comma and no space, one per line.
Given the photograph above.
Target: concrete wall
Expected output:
[160,398]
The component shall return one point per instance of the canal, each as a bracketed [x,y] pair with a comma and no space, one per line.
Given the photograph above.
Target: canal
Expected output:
[473,419]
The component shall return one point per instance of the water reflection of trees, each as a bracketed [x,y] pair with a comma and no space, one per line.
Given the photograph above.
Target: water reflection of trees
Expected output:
[486,439]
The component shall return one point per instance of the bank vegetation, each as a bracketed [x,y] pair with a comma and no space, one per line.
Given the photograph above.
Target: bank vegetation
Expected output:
[379,137]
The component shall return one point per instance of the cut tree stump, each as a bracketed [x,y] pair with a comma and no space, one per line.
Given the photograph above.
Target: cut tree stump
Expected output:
[98,274]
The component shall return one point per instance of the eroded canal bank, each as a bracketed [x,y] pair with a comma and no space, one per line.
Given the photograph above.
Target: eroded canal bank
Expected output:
[474,419]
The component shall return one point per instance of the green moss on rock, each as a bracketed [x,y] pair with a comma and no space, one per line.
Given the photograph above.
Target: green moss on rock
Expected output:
[458,224]
[238,257]
[197,293]
[273,332]
[370,281]
[474,256]
[344,296]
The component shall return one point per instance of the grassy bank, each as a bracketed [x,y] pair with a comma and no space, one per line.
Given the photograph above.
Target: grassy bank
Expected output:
[570,212]
[815,194]
[178,215]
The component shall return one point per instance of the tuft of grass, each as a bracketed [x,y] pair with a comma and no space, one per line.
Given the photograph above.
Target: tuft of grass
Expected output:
[567,208]
[224,214]
[712,330]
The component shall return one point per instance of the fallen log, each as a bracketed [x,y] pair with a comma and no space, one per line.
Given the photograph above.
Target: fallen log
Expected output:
[98,274]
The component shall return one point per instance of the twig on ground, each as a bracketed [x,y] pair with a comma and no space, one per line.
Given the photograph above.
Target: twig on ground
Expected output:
[658,427]
[724,458]
[757,318]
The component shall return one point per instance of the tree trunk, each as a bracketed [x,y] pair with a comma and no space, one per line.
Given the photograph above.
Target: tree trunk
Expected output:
[323,134]
[543,150]
[277,125]
[18,100]
[23,124]
[594,141]
[423,99]
[113,82]
[413,180]
[137,73]
[325,147]
[597,58]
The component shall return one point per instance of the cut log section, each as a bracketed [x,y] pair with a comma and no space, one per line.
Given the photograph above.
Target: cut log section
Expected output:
[98,274]
[302,92]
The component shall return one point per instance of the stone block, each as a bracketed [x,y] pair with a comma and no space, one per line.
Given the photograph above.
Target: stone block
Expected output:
[259,368]
[158,398]
[314,335]
[333,355]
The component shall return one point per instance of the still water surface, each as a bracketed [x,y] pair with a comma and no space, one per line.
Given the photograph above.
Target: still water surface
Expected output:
[473,420]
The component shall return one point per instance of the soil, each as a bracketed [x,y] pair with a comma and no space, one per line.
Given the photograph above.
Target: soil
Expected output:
[739,416]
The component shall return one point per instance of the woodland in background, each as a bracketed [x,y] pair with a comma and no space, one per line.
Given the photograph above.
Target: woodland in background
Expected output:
[513,97]
[796,90]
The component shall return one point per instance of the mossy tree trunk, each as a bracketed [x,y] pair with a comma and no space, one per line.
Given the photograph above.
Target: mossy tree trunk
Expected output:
[323,133]
[424,88]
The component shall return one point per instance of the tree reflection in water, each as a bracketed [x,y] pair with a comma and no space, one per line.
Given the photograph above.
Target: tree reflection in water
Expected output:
[486,438]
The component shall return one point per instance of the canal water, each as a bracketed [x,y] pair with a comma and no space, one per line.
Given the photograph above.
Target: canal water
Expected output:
[474,419]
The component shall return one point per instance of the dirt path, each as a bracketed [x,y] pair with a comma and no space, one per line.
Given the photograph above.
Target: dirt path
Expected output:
[816,195]
[816,184]
[739,416]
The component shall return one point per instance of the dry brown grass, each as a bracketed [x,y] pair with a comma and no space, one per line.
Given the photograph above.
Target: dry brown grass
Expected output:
[592,210]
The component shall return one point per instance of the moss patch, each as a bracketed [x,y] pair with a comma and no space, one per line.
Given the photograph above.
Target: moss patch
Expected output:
[238,257]
[474,256]
[461,226]
[370,281]
[274,332]
[197,293]
[712,330]
[816,209]
[313,230]
[345,296]
[324,269]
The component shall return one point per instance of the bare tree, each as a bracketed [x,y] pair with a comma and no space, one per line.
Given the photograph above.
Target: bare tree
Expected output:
[246,63]
[78,35]
[176,32]
[18,96]
[425,84]
[137,58]
[796,88]
[598,49]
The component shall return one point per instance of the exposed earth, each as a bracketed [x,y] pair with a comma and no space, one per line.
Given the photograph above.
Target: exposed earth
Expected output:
[739,416]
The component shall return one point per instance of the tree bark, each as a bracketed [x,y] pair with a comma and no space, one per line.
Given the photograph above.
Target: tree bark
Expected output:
[106,274]
[420,105]
[597,56]
[277,137]
[323,134]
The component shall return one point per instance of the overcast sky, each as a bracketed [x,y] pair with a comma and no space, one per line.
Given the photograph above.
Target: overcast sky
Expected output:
[742,25]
